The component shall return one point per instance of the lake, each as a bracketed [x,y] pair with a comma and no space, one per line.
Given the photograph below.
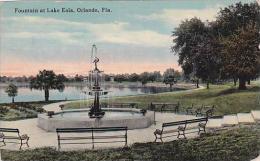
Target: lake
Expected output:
[77,92]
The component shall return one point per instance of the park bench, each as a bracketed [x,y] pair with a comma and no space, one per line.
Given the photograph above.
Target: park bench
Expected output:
[203,110]
[122,105]
[91,135]
[155,106]
[13,134]
[179,128]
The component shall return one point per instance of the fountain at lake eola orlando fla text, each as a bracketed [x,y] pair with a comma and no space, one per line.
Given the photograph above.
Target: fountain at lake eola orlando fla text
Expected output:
[97,114]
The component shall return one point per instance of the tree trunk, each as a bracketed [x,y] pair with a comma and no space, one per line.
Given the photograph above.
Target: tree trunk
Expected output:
[12,99]
[46,94]
[197,83]
[242,84]
[235,81]
[170,87]
[248,81]
[207,84]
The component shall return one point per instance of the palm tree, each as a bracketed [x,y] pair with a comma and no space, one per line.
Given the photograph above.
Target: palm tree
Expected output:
[12,91]
[47,80]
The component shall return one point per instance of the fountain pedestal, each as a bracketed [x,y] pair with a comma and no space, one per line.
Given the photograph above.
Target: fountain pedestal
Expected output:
[95,110]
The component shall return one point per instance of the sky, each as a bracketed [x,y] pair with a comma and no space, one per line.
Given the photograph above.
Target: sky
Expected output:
[135,36]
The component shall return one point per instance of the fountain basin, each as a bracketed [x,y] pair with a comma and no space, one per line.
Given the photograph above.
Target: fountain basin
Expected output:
[130,117]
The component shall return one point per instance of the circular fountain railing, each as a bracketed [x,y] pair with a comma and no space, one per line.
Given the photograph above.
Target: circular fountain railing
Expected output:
[130,117]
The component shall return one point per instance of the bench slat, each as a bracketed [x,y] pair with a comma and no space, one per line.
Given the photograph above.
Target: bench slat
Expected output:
[9,130]
[71,130]
[173,123]
[93,137]
[169,131]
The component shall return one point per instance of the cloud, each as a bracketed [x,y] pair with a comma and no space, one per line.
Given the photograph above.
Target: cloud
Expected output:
[173,17]
[65,37]
[72,32]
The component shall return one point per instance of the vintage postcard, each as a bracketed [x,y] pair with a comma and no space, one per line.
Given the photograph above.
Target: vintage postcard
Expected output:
[173,80]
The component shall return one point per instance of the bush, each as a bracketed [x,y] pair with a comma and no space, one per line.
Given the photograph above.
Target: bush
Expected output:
[3,109]
[22,110]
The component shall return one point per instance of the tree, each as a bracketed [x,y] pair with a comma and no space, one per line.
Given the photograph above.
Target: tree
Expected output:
[157,75]
[185,38]
[63,78]
[120,78]
[233,17]
[107,77]
[169,78]
[233,23]
[206,58]
[144,77]
[177,75]
[12,91]
[241,54]
[151,77]
[196,47]
[47,80]
[133,77]
[79,78]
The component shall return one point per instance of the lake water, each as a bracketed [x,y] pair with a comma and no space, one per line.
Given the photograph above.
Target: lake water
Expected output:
[76,92]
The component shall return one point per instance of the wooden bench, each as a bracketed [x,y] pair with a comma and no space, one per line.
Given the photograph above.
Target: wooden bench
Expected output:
[165,106]
[179,128]
[122,105]
[203,110]
[91,135]
[13,134]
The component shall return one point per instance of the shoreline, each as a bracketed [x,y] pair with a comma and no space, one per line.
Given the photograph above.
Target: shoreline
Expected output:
[159,85]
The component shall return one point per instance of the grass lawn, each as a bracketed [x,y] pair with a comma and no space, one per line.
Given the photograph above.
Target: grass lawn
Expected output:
[234,145]
[227,98]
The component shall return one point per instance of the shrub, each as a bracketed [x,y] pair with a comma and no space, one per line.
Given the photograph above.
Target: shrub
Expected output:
[3,109]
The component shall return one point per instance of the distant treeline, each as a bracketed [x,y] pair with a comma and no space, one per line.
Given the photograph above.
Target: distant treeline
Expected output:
[130,77]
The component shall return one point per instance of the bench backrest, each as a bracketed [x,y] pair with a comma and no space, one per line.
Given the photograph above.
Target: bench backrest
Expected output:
[9,130]
[82,130]
[216,117]
[173,123]
[132,105]
[165,106]
[184,122]
[197,120]
[115,105]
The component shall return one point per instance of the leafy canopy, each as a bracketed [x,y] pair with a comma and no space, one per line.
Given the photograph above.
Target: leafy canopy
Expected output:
[46,80]
[11,90]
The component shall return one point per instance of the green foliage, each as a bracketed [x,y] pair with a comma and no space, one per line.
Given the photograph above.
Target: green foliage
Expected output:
[196,46]
[134,77]
[241,54]
[225,48]
[169,77]
[144,78]
[12,91]
[120,78]
[234,17]
[238,25]
[47,80]
[17,111]
[234,145]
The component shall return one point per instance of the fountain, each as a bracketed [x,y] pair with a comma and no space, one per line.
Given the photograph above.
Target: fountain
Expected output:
[95,110]
[96,115]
